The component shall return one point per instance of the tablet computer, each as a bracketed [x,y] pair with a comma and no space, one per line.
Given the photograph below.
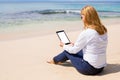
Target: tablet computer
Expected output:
[63,37]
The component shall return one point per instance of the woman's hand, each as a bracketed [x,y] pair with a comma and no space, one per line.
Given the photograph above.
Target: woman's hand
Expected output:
[72,44]
[62,44]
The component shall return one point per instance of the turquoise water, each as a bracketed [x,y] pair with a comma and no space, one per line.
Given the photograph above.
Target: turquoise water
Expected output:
[15,13]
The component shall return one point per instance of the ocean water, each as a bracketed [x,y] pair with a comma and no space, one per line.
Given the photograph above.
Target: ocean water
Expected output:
[20,13]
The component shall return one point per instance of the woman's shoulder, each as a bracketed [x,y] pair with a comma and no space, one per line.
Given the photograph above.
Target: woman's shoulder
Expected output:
[93,33]
[90,31]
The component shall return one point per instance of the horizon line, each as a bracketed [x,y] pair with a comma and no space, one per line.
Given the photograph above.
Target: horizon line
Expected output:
[63,1]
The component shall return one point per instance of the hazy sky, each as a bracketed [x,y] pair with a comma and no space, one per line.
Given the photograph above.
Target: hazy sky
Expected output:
[58,0]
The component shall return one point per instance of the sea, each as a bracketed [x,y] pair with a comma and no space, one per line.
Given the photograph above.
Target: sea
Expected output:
[20,13]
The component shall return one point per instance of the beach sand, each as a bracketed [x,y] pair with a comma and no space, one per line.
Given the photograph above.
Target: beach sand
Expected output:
[23,55]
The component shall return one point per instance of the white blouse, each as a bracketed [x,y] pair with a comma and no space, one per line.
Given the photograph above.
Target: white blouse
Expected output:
[93,46]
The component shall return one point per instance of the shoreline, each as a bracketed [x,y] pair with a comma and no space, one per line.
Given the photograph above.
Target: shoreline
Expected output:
[43,29]
[40,29]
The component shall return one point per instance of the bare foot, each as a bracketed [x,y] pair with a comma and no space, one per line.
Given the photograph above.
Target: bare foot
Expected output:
[52,62]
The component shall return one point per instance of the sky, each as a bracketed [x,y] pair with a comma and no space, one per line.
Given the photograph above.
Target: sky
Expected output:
[55,0]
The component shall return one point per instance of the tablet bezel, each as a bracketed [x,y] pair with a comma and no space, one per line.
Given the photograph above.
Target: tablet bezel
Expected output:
[65,35]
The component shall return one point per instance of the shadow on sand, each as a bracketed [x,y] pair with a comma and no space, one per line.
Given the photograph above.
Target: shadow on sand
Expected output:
[109,69]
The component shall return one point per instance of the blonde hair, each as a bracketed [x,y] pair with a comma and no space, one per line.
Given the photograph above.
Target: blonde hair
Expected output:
[91,19]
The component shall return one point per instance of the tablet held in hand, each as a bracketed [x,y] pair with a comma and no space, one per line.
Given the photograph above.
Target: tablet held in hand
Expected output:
[63,37]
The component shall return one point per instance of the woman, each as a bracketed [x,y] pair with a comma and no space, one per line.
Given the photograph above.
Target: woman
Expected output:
[88,53]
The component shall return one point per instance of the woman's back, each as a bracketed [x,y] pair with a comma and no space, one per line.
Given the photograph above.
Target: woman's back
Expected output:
[95,50]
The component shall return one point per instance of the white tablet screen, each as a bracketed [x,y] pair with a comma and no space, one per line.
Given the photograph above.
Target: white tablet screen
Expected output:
[63,37]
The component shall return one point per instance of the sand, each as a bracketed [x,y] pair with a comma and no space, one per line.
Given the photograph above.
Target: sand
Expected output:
[23,55]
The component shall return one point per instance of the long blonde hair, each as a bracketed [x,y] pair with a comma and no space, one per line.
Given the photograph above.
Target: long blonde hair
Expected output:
[91,19]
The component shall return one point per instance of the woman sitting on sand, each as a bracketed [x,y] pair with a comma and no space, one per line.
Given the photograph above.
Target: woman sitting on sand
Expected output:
[88,53]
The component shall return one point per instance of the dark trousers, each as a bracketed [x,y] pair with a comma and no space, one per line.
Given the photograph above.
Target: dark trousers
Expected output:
[78,62]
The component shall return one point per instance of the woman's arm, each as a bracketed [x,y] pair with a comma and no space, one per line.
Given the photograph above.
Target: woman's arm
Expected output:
[79,44]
